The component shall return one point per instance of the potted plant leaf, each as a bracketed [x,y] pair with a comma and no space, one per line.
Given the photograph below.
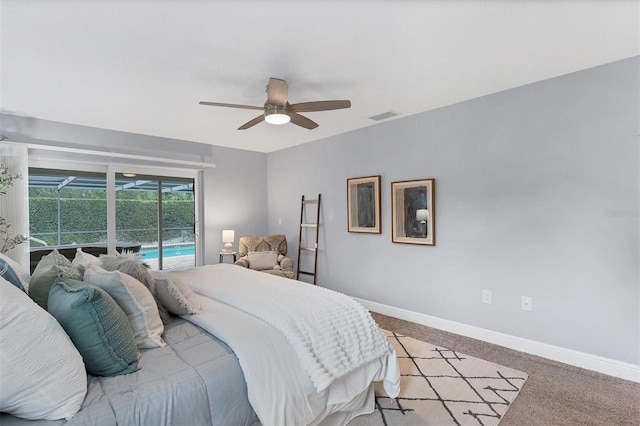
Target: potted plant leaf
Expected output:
[7,178]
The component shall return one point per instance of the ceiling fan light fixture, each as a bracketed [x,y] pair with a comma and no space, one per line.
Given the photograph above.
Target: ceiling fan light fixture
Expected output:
[276,115]
[278,110]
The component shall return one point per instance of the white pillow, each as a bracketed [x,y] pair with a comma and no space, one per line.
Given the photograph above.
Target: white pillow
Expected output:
[135,300]
[84,261]
[23,275]
[42,374]
[176,295]
[260,260]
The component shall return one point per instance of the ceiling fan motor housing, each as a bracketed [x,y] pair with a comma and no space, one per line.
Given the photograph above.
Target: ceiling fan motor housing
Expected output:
[276,114]
[278,110]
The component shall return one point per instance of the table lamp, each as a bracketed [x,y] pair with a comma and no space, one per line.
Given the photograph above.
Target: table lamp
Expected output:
[227,238]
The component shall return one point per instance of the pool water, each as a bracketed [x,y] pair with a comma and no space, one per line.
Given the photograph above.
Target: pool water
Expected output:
[170,251]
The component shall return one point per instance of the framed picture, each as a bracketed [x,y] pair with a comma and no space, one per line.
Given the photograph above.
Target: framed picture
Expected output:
[363,204]
[413,212]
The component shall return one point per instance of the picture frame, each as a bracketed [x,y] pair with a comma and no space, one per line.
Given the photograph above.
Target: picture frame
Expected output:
[364,205]
[413,212]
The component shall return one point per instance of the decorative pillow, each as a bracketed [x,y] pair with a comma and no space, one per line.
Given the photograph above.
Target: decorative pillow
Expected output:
[97,326]
[7,272]
[42,374]
[52,266]
[131,264]
[176,295]
[260,260]
[135,300]
[22,274]
[83,261]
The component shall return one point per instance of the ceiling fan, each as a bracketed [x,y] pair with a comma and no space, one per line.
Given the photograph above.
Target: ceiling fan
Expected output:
[278,110]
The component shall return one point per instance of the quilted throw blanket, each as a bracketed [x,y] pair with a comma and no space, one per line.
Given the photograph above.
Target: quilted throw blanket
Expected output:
[330,333]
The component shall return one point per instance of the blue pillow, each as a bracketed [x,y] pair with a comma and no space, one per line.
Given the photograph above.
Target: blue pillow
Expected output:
[7,272]
[97,326]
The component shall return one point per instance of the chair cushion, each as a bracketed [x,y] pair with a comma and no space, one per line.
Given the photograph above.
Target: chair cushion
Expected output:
[260,260]
[277,242]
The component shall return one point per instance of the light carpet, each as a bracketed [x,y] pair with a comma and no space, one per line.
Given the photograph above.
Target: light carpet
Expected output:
[443,387]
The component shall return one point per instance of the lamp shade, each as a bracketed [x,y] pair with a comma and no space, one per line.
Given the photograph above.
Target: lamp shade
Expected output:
[227,239]
[228,235]
[422,215]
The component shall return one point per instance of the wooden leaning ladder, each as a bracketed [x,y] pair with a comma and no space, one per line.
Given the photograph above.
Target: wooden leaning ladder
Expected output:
[303,227]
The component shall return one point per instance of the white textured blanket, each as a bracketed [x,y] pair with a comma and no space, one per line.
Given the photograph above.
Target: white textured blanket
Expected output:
[331,334]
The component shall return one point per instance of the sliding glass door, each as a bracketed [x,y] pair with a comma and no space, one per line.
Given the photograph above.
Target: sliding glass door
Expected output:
[154,215]
[158,213]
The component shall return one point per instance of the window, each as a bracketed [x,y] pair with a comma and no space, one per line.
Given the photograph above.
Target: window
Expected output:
[153,214]
[168,243]
[67,207]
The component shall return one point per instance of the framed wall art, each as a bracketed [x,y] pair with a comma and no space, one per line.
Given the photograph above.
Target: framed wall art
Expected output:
[413,212]
[363,204]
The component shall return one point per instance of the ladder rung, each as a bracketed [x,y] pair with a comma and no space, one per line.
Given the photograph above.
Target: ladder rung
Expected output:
[307,248]
[308,225]
[306,273]
[310,201]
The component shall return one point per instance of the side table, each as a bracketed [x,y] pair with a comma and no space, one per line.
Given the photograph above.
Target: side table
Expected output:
[223,254]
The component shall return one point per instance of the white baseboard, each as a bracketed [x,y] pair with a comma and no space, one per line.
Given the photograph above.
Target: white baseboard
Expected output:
[597,363]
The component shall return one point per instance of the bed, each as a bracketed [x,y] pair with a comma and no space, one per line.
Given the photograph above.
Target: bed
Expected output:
[185,382]
[257,353]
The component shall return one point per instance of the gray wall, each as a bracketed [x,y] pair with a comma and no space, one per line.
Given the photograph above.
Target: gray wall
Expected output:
[537,194]
[235,197]
[235,190]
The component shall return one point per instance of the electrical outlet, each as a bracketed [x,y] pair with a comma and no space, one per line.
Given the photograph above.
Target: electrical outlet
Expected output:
[526,303]
[486,296]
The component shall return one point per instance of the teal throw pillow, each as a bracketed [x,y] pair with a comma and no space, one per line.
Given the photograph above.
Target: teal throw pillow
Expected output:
[97,326]
[52,266]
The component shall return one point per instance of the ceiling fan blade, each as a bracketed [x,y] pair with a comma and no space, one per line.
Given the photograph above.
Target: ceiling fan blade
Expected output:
[302,121]
[219,104]
[251,123]
[277,92]
[319,106]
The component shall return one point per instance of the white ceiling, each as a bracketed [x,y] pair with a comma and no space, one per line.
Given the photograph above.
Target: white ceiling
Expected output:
[142,66]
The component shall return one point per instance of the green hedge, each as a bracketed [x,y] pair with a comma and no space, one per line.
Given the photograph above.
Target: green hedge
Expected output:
[85,220]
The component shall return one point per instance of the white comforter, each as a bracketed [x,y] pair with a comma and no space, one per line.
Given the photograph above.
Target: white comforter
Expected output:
[281,354]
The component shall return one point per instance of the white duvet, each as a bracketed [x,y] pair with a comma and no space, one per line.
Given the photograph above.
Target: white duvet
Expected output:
[309,355]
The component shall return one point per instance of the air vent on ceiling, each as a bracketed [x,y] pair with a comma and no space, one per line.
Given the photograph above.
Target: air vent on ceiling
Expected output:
[383,116]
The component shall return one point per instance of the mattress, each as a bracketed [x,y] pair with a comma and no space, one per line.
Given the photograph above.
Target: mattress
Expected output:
[194,380]
[254,312]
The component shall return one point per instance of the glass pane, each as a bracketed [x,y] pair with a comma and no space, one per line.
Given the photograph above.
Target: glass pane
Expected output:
[170,246]
[67,209]
[137,215]
[178,219]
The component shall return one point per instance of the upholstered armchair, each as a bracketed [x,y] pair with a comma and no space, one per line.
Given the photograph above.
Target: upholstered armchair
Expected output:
[265,254]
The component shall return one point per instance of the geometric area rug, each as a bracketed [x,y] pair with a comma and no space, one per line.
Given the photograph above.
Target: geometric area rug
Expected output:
[440,387]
